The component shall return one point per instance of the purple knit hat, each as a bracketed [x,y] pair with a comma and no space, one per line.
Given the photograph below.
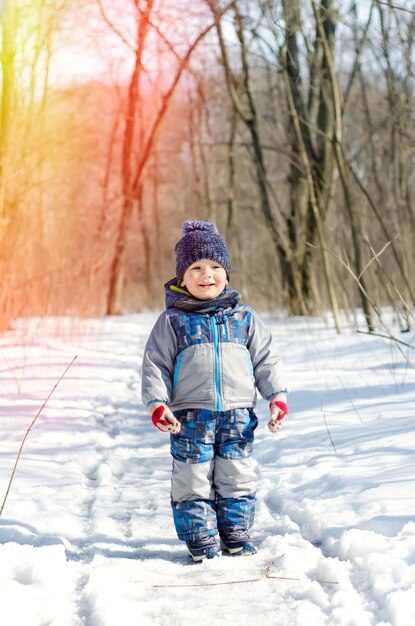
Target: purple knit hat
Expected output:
[200,240]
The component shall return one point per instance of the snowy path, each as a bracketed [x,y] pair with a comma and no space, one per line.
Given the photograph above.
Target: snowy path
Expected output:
[86,535]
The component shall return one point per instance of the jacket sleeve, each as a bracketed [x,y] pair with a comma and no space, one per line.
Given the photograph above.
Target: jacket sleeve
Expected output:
[269,373]
[158,362]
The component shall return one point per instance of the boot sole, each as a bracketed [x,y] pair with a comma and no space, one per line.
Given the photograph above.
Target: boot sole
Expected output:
[197,559]
[202,557]
[238,551]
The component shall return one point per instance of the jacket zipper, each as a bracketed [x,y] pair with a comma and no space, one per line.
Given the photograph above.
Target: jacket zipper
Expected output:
[215,338]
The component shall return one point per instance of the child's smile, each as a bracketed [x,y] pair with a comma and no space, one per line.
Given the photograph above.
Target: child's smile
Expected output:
[205,279]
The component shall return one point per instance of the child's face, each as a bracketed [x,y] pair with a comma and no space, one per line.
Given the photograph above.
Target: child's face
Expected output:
[205,279]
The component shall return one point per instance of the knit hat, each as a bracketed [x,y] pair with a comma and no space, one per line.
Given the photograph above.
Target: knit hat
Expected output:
[200,240]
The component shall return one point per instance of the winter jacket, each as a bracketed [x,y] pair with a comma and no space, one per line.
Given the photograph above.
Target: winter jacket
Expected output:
[209,354]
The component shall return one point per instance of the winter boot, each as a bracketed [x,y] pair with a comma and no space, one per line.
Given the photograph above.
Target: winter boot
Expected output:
[237,542]
[203,548]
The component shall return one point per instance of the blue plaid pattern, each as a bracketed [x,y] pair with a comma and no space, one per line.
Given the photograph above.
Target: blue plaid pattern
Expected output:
[194,519]
[235,513]
[205,434]
[191,329]
[203,518]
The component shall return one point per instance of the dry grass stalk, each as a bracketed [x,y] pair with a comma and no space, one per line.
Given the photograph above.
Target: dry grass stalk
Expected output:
[28,431]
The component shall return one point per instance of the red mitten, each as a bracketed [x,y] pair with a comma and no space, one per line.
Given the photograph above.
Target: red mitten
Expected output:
[279,411]
[163,418]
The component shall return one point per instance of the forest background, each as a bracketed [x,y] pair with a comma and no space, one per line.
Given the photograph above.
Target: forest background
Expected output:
[288,123]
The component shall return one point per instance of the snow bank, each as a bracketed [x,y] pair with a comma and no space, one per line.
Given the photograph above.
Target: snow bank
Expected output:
[86,536]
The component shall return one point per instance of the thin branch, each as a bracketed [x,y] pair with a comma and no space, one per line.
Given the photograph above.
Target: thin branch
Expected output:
[265,574]
[394,6]
[374,307]
[184,63]
[390,337]
[328,429]
[29,429]
[356,64]
[375,256]
[292,160]
[385,231]
[113,28]
[392,285]
[172,49]
[229,77]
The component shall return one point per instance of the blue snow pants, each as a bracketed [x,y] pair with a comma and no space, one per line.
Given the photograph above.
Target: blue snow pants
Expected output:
[213,477]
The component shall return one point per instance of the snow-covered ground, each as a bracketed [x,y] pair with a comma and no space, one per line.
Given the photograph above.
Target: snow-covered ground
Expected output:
[86,535]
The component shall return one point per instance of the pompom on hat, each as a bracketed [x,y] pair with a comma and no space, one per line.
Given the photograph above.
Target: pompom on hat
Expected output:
[200,240]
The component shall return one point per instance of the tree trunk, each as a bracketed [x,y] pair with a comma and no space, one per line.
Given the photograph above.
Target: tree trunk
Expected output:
[299,213]
[339,148]
[133,163]
[311,173]
[250,118]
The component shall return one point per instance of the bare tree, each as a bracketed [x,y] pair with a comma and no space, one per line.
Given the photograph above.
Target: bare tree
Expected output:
[244,102]
[135,161]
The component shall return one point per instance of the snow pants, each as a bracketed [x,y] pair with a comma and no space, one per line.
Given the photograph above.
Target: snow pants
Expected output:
[213,477]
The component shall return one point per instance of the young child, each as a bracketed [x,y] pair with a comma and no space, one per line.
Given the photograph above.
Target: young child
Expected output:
[205,357]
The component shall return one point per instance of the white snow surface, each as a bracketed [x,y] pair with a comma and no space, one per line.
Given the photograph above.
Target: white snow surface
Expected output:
[86,534]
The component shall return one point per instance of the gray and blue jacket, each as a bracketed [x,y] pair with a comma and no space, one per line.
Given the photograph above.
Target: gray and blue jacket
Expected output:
[211,354]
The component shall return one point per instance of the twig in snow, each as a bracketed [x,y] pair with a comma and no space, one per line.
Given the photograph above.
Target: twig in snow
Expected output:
[29,429]
[391,337]
[265,574]
[328,429]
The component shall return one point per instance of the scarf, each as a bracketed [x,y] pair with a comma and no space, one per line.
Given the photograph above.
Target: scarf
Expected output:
[179,298]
